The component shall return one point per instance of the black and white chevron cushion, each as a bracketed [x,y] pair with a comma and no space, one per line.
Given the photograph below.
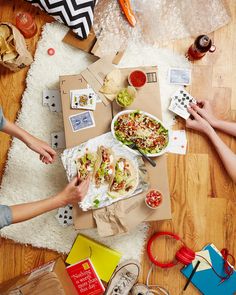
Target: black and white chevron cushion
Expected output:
[76,14]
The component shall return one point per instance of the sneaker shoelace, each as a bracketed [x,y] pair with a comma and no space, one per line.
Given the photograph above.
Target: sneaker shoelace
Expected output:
[124,281]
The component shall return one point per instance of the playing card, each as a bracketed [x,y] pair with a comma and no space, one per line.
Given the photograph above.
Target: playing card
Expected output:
[52,98]
[180,102]
[58,140]
[64,215]
[179,76]
[55,101]
[82,121]
[178,142]
[98,99]
[83,99]
[46,97]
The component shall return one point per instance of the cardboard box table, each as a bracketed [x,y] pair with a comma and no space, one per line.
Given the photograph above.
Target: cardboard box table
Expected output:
[148,100]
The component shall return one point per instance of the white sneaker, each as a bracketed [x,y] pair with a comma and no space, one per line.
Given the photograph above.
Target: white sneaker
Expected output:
[123,278]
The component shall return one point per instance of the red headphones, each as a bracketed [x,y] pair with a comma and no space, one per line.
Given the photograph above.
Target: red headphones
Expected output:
[184,255]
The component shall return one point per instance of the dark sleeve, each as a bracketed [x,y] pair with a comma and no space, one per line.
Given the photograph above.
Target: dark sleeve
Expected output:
[2,119]
[5,216]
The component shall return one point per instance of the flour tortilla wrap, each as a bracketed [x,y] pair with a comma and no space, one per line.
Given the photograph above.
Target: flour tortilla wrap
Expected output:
[85,165]
[101,166]
[131,181]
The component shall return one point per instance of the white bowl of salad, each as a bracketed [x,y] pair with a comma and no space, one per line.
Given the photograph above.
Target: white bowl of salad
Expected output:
[144,130]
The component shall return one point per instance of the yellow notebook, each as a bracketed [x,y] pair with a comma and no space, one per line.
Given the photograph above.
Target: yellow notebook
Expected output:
[103,258]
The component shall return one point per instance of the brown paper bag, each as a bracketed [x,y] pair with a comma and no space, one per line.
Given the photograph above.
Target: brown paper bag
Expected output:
[24,57]
[121,217]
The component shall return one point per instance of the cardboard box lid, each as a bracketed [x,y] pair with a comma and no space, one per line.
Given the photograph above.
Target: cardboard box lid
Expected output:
[148,99]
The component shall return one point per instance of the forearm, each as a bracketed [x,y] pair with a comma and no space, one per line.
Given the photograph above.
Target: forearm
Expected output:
[27,211]
[226,126]
[228,158]
[15,131]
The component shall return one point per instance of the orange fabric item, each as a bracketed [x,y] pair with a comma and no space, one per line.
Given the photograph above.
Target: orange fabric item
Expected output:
[128,12]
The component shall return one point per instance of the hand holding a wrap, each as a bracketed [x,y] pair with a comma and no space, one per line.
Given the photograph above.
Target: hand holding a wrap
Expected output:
[74,192]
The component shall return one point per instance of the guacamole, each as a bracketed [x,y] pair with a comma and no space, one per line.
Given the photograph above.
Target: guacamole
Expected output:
[125,97]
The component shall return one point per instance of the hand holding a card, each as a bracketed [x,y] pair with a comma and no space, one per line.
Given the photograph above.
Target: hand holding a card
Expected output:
[201,120]
[197,122]
[204,109]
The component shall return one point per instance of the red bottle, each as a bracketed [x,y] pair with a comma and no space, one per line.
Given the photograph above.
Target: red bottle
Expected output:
[200,47]
[26,24]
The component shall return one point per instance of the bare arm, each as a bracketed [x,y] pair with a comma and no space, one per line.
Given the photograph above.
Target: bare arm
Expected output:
[226,126]
[228,158]
[206,112]
[72,194]
[47,154]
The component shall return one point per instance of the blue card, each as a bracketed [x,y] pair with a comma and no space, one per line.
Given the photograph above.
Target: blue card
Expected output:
[82,121]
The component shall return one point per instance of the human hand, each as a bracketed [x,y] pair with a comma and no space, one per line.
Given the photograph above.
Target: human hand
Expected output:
[47,154]
[74,192]
[198,123]
[204,109]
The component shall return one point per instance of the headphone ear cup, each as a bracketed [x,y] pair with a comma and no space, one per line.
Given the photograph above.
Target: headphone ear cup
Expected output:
[185,255]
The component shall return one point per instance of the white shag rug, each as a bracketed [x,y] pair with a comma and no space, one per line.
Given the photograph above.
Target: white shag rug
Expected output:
[27,179]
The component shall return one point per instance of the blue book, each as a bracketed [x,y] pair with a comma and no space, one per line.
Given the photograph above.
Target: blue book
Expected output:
[207,282]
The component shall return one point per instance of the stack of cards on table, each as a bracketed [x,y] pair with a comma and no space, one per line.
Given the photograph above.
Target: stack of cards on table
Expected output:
[178,142]
[179,76]
[180,102]
[83,99]
[52,98]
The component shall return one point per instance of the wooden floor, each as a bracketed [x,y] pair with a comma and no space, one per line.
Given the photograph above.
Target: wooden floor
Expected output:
[203,197]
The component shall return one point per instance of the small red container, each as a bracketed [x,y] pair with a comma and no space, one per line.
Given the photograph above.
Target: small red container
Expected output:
[153,199]
[137,79]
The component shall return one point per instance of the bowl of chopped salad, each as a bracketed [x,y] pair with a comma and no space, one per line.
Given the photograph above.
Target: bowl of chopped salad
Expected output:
[144,130]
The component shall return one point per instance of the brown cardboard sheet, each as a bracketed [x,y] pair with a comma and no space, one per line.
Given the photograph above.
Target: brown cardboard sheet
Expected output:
[148,99]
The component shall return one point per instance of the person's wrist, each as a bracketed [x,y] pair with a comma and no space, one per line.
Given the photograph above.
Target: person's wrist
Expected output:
[26,138]
[215,123]
[60,200]
[209,131]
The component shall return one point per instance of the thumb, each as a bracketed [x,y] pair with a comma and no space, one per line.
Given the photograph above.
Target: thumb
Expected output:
[74,181]
[45,155]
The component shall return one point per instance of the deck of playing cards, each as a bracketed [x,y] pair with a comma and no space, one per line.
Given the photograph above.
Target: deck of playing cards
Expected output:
[179,76]
[83,99]
[180,102]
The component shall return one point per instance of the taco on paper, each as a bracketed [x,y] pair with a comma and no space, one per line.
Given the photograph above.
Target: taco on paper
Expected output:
[125,179]
[85,164]
[104,167]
